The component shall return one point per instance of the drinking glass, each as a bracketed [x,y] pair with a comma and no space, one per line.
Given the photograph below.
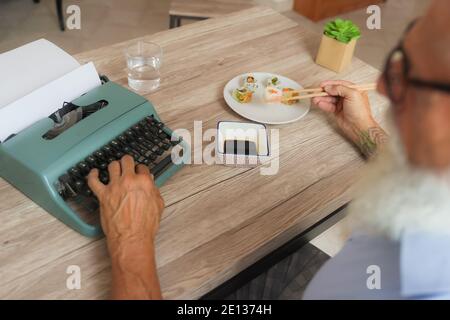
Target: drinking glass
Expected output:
[144,60]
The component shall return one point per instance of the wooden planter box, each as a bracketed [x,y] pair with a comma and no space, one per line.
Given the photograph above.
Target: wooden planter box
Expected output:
[335,55]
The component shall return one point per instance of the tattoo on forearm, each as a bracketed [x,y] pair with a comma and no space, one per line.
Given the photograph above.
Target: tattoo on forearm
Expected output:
[371,140]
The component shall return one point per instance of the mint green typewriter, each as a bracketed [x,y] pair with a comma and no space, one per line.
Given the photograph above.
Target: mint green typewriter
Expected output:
[50,165]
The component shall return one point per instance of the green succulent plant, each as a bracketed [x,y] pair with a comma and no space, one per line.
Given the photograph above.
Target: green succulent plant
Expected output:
[342,30]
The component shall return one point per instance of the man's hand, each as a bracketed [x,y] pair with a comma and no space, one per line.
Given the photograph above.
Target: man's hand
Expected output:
[130,209]
[130,205]
[352,112]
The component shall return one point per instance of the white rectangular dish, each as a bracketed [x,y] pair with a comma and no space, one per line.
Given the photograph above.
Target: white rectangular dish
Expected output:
[250,141]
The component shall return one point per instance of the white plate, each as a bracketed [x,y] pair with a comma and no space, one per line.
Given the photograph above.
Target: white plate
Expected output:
[260,111]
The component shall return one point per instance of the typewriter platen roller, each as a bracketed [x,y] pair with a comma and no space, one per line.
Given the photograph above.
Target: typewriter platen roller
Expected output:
[52,172]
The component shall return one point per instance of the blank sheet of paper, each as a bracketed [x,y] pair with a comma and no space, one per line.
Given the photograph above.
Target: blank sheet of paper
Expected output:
[34,91]
[30,67]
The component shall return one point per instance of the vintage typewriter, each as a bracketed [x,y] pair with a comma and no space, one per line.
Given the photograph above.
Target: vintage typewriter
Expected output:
[49,161]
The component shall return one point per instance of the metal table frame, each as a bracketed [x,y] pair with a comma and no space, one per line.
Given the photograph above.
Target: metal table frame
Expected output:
[262,265]
[175,20]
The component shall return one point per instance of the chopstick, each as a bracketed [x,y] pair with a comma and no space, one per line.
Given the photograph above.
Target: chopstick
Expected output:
[356,86]
[319,92]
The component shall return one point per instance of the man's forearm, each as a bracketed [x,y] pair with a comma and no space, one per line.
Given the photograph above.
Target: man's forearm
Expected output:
[134,271]
[372,140]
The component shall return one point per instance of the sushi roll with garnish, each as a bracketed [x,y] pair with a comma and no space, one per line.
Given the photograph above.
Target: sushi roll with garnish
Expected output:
[273,94]
[251,83]
[287,94]
[273,82]
[242,95]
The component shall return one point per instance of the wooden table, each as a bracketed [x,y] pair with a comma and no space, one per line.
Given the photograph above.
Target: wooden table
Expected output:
[218,220]
[204,9]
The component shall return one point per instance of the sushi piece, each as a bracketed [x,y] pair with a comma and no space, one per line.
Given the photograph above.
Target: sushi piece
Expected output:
[250,83]
[273,95]
[273,82]
[288,93]
[242,95]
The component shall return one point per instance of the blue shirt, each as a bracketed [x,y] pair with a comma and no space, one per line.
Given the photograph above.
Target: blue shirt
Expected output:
[373,267]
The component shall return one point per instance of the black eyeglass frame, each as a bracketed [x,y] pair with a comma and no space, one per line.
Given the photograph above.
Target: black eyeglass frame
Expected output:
[416,82]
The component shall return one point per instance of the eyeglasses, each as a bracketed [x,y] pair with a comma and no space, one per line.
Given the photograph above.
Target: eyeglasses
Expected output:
[397,78]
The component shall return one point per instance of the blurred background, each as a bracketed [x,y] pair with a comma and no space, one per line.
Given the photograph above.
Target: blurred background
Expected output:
[104,22]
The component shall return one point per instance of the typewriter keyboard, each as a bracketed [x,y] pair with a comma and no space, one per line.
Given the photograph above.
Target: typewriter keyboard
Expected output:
[146,142]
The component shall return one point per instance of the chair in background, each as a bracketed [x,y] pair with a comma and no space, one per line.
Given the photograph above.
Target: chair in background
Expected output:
[203,9]
[59,10]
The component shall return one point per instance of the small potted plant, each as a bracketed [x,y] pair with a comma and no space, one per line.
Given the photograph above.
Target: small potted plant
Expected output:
[338,44]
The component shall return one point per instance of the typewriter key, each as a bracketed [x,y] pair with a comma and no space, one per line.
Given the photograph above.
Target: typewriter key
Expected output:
[137,128]
[116,145]
[142,160]
[107,149]
[137,147]
[130,134]
[104,177]
[153,130]
[79,185]
[92,161]
[87,192]
[103,166]
[148,136]
[155,149]
[99,154]
[84,168]
[126,149]
[163,136]
[75,172]
[122,139]
[119,155]
[145,143]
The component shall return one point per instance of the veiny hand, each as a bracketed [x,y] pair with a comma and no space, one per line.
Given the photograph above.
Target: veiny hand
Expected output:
[350,107]
[130,205]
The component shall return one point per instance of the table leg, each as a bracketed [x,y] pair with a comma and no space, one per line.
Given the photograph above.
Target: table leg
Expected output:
[175,21]
[178,22]
[59,10]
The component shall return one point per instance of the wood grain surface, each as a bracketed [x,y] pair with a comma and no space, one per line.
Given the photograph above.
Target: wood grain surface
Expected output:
[218,220]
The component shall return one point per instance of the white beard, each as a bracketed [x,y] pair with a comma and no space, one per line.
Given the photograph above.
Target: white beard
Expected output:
[395,197]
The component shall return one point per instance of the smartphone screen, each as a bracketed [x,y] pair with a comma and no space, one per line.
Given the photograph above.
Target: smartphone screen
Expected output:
[240,147]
